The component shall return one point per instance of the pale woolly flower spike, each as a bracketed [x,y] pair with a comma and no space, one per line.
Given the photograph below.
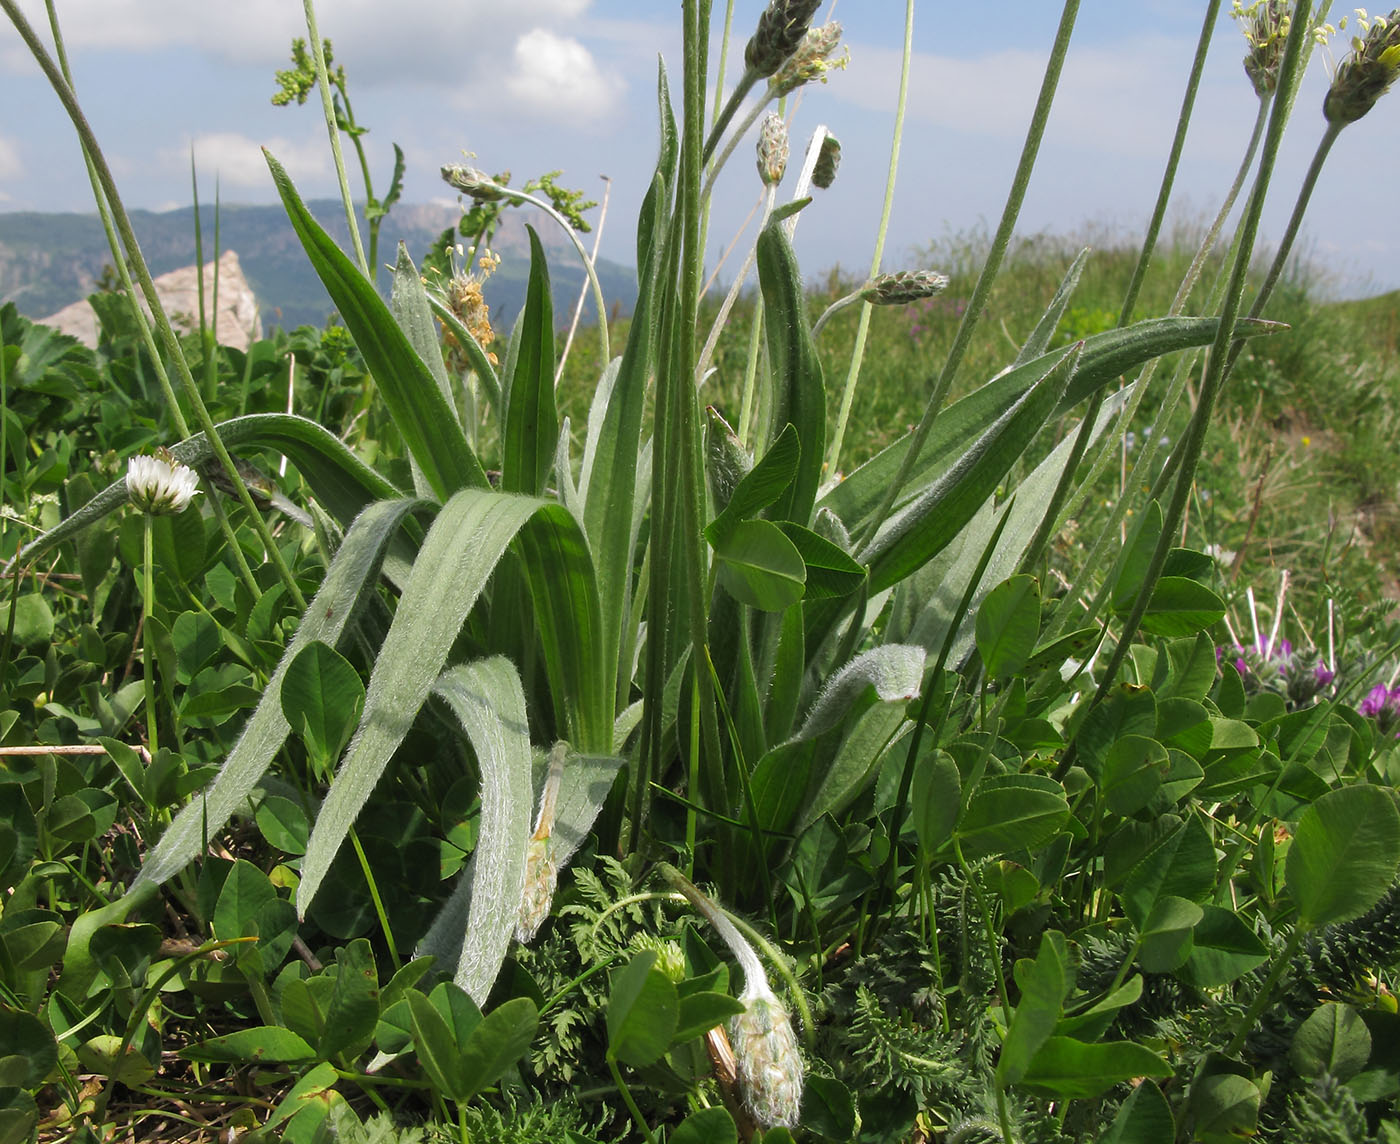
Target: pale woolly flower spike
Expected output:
[811,61]
[904,286]
[773,149]
[473,183]
[541,869]
[160,485]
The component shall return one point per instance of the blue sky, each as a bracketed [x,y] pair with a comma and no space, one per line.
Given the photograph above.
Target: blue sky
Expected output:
[533,85]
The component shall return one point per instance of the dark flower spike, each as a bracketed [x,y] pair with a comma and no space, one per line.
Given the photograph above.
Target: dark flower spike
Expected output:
[779,33]
[824,173]
[1367,73]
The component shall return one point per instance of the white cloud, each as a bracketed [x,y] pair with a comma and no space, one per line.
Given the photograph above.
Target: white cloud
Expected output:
[557,76]
[238,160]
[437,39]
[11,165]
[1117,97]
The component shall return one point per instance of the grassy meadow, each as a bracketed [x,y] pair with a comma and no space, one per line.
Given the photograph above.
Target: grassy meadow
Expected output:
[959,707]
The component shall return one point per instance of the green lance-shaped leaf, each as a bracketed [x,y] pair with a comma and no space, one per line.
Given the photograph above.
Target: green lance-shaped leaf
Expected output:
[459,553]
[353,569]
[1334,1040]
[501,1038]
[1144,1117]
[831,573]
[608,477]
[322,698]
[341,481]
[1044,984]
[1104,358]
[921,530]
[486,696]
[421,413]
[760,486]
[799,392]
[760,567]
[1344,854]
[568,620]
[642,1012]
[409,305]
[1009,813]
[532,421]
[1008,625]
[1072,1070]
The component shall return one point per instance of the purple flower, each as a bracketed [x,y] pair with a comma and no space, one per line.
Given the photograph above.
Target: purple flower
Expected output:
[1382,704]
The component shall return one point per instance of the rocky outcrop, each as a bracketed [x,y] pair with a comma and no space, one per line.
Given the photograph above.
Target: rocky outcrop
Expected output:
[236,324]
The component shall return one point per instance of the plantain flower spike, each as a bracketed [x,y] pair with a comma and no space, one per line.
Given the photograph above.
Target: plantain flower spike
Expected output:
[473,183]
[779,32]
[541,869]
[1368,72]
[160,485]
[824,173]
[1265,30]
[903,287]
[772,149]
[765,1046]
[811,61]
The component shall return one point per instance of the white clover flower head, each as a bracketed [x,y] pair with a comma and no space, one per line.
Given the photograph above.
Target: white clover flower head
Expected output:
[160,485]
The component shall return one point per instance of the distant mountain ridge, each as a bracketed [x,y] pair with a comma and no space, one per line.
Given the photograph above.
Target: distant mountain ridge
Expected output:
[50,260]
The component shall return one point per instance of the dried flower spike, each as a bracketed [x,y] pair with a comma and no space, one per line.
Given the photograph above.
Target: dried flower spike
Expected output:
[1367,73]
[541,870]
[903,287]
[475,184]
[811,61]
[779,32]
[160,485]
[765,1046]
[824,173]
[772,149]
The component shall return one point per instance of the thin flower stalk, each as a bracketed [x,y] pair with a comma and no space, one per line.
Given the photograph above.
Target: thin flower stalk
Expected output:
[848,391]
[1218,368]
[168,339]
[323,82]
[1002,239]
[1050,520]
[473,183]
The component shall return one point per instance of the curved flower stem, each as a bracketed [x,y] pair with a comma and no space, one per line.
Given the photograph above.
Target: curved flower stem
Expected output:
[583,294]
[1266,990]
[143,324]
[588,267]
[1050,519]
[1059,622]
[1221,355]
[168,339]
[990,269]
[148,601]
[833,455]
[323,82]
[708,352]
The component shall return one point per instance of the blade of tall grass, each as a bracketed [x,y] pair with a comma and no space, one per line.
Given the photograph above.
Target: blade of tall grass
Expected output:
[977,303]
[410,390]
[487,698]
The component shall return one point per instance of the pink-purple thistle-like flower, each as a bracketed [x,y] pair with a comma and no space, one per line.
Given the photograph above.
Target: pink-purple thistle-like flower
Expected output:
[1382,704]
